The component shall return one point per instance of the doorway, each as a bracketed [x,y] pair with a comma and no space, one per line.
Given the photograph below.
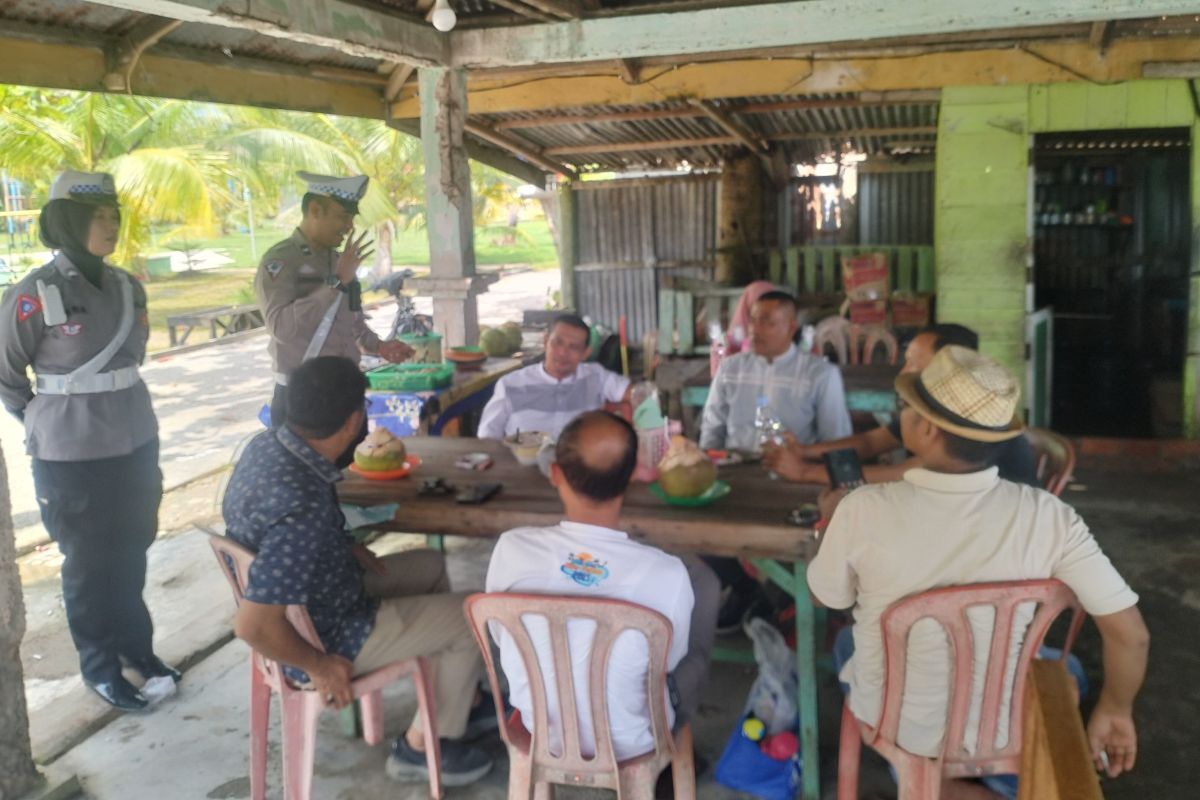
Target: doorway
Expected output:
[1112,213]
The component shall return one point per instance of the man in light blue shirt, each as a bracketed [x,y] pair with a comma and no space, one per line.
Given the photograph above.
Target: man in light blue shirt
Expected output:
[803,390]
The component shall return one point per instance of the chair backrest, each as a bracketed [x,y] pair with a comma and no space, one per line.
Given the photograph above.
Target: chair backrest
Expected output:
[948,607]
[235,560]
[611,618]
[1055,458]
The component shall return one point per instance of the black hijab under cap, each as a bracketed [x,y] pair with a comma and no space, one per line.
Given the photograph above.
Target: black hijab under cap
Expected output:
[65,225]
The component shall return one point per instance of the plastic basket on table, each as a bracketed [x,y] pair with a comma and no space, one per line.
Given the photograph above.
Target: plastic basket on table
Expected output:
[410,377]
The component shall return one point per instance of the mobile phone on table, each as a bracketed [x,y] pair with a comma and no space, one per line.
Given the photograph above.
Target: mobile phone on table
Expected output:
[844,468]
[479,493]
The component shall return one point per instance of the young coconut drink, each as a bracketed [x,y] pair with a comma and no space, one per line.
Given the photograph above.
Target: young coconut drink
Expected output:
[686,471]
[381,451]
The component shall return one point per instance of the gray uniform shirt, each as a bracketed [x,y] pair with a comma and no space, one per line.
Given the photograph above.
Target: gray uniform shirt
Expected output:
[81,427]
[292,293]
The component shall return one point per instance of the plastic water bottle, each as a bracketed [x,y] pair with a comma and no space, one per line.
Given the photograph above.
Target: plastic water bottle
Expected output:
[768,426]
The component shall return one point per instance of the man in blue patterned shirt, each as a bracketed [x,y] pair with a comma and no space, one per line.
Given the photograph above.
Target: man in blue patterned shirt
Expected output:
[367,611]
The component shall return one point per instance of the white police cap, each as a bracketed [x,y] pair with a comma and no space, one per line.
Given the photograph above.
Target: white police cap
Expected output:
[347,190]
[84,186]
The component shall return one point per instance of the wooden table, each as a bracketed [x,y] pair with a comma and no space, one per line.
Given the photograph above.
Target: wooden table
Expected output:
[229,319]
[750,522]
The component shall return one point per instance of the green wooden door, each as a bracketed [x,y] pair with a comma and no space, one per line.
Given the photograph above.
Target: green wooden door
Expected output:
[1039,365]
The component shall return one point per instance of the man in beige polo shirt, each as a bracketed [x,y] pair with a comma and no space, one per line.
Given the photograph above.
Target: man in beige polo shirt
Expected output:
[955,521]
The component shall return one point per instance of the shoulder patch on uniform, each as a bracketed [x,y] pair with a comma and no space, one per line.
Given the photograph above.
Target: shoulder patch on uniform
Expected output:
[273,268]
[71,329]
[27,306]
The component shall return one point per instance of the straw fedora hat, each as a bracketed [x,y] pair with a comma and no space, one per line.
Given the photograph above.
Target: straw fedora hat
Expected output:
[965,393]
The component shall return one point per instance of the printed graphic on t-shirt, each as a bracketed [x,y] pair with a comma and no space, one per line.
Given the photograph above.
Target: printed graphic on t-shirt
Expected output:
[585,569]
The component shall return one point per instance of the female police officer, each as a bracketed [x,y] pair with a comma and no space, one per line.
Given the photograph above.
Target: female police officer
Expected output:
[89,428]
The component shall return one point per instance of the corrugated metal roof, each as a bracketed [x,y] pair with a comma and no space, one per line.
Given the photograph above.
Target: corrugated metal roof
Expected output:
[805,127]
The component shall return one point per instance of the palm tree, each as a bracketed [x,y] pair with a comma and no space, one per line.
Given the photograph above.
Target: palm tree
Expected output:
[183,163]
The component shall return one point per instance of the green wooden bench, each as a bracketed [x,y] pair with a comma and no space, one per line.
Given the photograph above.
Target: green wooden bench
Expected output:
[814,274]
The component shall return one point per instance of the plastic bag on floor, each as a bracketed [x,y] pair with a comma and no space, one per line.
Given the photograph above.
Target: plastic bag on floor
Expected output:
[773,696]
[772,701]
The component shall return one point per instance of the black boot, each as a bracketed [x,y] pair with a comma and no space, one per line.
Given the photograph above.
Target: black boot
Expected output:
[119,693]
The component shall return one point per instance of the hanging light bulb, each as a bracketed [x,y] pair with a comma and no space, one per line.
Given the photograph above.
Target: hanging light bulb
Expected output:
[443,16]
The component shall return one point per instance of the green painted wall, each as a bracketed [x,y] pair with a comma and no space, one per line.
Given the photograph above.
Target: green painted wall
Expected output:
[982,199]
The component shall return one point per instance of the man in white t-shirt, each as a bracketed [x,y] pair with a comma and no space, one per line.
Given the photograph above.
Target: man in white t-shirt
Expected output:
[546,396]
[954,522]
[587,555]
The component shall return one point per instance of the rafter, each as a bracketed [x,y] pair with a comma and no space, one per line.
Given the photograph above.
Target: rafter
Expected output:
[1098,37]
[732,126]
[526,150]
[335,24]
[630,70]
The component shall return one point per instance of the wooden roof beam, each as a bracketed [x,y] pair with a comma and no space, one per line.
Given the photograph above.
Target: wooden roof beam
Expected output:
[783,24]
[482,152]
[525,150]
[122,58]
[1053,62]
[732,126]
[1099,35]
[339,25]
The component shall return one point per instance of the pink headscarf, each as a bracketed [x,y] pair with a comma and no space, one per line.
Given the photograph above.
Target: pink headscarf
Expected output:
[739,324]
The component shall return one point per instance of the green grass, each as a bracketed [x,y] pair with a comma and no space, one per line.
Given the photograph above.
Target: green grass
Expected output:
[193,291]
[494,244]
[183,292]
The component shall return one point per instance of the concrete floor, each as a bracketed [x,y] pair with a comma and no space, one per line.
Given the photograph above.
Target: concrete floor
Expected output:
[195,745]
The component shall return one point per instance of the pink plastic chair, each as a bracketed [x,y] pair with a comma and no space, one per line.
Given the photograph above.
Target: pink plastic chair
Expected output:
[871,337]
[1055,457]
[533,768]
[301,706]
[920,778]
[836,332]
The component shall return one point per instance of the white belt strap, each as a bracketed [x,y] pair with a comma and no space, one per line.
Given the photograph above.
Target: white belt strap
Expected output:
[87,378]
[318,339]
[112,381]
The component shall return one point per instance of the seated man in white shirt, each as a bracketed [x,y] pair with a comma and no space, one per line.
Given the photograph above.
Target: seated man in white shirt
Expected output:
[596,456]
[804,390]
[546,396]
[955,521]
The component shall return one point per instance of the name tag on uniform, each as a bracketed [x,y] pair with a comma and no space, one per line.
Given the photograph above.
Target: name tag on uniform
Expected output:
[53,312]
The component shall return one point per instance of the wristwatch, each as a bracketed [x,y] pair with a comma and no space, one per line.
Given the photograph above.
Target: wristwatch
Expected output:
[333,283]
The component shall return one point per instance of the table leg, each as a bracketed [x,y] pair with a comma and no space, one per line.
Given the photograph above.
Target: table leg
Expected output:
[806,687]
[795,583]
[348,718]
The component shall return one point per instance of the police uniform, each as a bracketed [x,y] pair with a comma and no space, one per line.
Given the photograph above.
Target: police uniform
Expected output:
[93,438]
[307,312]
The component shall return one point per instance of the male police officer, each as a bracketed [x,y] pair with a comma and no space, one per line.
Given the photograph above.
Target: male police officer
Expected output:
[89,429]
[308,292]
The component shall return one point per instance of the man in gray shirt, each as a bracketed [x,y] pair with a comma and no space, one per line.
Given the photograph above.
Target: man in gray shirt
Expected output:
[804,391]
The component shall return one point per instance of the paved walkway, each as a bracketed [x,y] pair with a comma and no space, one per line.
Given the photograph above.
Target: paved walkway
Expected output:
[207,400]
